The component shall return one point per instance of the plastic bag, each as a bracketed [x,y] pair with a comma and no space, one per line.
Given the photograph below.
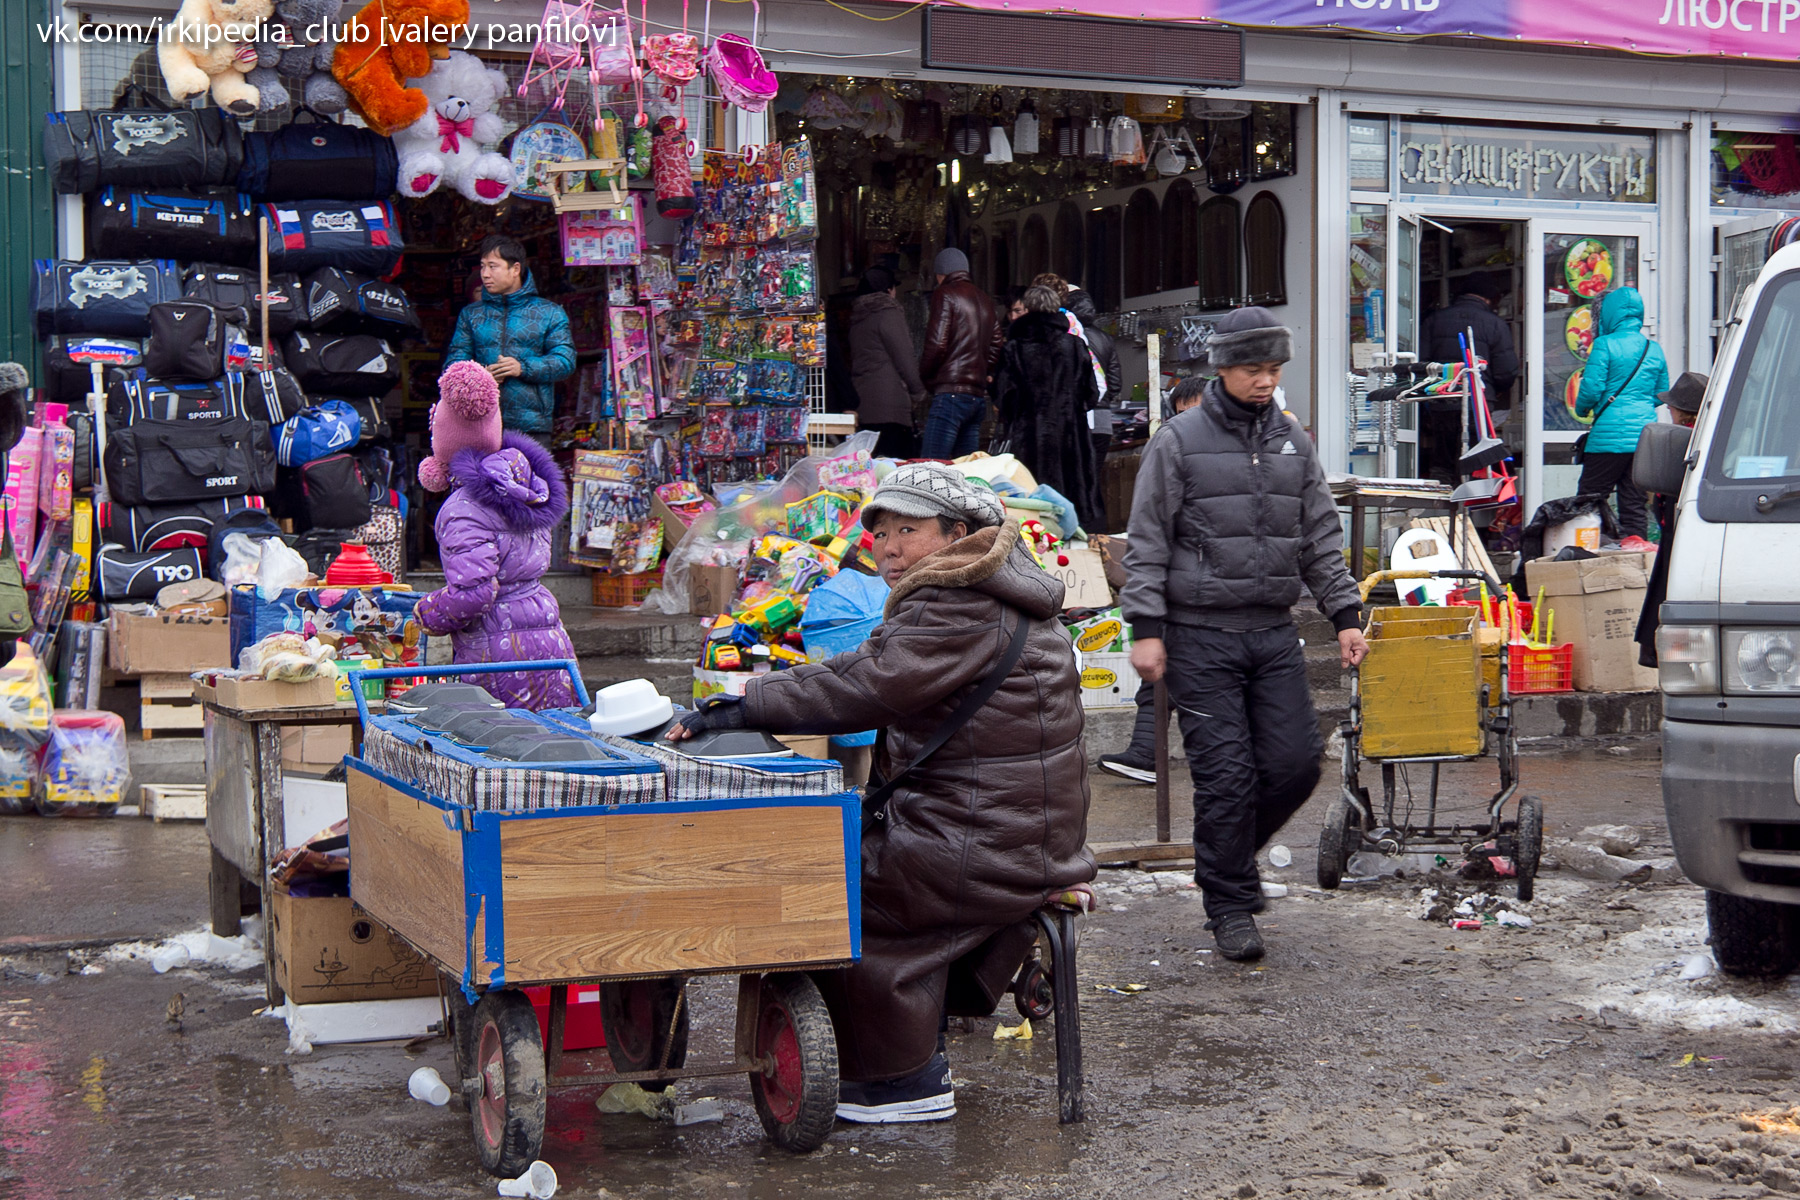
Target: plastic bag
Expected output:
[280,568]
[86,767]
[243,559]
[288,658]
[1555,512]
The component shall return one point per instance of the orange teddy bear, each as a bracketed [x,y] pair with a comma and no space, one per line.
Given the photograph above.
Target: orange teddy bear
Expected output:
[386,44]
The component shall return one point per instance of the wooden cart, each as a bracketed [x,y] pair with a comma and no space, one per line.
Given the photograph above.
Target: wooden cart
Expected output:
[639,897]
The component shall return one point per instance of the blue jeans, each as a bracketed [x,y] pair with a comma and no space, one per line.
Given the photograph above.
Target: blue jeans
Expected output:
[954,427]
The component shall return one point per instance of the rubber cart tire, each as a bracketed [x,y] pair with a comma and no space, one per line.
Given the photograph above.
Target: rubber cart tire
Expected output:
[635,1015]
[1528,844]
[1032,994]
[1339,838]
[507,1115]
[1753,939]
[797,1097]
[461,1033]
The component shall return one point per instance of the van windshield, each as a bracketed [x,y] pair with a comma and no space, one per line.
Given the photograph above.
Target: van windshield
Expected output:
[1763,441]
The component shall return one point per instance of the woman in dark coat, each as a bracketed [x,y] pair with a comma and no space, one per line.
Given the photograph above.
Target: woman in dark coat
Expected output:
[982,832]
[1045,387]
[884,367]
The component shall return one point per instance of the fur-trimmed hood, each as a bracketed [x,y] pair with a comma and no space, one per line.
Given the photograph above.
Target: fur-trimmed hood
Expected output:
[521,484]
[1038,327]
[992,561]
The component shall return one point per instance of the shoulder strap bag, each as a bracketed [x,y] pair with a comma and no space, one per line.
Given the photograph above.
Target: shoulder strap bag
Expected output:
[15,605]
[875,800]
[1581,442]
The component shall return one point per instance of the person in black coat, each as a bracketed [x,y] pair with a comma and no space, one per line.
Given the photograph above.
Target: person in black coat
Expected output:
[1045,386]
[1472,309]
[1683,401]
[1100,422]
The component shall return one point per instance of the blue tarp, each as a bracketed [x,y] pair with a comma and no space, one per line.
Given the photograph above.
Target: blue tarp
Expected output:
[841,613]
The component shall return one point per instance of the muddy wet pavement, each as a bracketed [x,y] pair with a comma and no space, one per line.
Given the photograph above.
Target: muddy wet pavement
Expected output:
[1376,1051]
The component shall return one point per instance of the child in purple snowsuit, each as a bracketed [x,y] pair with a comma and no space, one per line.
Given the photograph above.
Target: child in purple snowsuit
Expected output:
[493,537]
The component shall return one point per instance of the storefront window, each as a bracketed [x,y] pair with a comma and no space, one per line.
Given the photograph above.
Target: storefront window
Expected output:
[1576,270]
[1517,163]
[1369,154]
[1755,170]
[1368,282]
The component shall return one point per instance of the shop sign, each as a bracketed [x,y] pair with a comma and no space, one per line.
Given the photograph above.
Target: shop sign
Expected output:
[1438,159]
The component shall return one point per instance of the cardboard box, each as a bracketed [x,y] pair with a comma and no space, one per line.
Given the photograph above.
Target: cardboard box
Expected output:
[1108,681]
[146,645]
[228,691]
[711,590]
[807,745]
[1597,602]
[674,526]
[328,949]
[315,748]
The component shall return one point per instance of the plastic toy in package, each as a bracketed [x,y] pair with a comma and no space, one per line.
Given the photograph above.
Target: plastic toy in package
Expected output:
[86,767]
[717,432]
[747,430]
[821,515]
[785,424]
[850,474]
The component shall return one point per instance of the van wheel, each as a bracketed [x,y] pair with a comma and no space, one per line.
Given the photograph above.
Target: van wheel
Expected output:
[1757,939]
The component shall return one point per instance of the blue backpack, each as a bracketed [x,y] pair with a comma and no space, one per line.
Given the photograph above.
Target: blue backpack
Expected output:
[326,428]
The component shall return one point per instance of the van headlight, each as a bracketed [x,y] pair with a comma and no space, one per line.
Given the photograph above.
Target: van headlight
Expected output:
[1762,661]
[1687,659]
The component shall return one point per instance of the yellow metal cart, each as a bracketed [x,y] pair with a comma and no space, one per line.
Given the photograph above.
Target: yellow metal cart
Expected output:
[1433,690]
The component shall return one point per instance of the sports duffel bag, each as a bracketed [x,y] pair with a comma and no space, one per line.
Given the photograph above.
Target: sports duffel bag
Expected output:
[145,146]
[314,158]
[192,339]
[214,225]
[175,462]
[164,526]
[358,364]
[325,428]
[68,376]
[269,396]
[339,301]
[230,287]
[100,296]
[305,235]
[140,574]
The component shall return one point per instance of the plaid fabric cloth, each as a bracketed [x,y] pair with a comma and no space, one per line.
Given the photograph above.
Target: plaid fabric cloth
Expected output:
[510,789]
[715,779]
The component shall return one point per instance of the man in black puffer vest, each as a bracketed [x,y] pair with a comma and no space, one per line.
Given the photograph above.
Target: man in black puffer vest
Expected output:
[1230,517]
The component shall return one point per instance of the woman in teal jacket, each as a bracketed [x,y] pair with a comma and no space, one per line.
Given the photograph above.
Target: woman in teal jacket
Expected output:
[1625,371]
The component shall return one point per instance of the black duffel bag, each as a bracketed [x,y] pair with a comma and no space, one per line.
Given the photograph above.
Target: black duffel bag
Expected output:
[145,146]
[358,364]
[334,493]
[314,158]
[100,296]
[272,396]
[229,287]
[165,526]
[305,235]
[176,462]
[339,301]
[68,375]
[195,340]
[214,225]
[140,574]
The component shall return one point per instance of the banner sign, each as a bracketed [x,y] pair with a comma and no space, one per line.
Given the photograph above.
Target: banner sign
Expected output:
[1439,159]
[1754,29]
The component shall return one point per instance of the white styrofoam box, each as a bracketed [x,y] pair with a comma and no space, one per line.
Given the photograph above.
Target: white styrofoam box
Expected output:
[1108,681]
[359,1021]
[311,805]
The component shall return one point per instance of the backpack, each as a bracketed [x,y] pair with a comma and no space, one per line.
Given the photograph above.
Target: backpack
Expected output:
[235,287]
[326,428]
[214,224]
[334,493]
[110,296]
[147,146]
[344,301]
[318,159]
[305,235]
[356,365]
[194,339]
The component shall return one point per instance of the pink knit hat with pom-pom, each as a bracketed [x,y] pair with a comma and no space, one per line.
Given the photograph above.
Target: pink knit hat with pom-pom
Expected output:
[466,417]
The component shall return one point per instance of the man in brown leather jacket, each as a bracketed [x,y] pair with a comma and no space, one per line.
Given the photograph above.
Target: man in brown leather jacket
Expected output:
[963,339]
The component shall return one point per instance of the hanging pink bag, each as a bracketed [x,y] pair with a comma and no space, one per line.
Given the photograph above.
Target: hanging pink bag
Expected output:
[738,68]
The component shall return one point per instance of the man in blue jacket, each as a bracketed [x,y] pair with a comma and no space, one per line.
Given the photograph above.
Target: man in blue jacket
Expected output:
[520,337]
[1625,372]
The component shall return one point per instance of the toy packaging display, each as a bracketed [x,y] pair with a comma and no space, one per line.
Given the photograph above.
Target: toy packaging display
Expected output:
[374,622]
[85,767]
[25,708]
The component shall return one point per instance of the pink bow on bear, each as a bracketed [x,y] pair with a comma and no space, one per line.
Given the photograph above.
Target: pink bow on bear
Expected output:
[451,133]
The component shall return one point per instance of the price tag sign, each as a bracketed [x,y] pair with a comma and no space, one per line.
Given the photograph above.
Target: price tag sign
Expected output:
[1083,579]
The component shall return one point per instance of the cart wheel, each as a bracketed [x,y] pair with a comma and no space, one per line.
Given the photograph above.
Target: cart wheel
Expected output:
[1528,844]
[507,1115]
[635,1015]
[1338,840]
[797,1096]
[461,1032]
[1032,994]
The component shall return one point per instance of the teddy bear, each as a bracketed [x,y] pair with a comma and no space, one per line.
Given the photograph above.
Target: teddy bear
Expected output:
[465,417]
[212,44]
[452,144]
[383,46]
[299,49]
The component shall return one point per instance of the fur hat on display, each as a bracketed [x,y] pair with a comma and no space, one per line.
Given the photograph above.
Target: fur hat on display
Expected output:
[1249,335]
[465,417]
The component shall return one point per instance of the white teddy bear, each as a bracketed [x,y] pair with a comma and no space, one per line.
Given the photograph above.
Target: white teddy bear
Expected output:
[452,144]
[212,44]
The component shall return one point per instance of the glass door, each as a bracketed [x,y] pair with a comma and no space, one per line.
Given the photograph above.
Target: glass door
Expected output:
[1571,264]
[1403,338]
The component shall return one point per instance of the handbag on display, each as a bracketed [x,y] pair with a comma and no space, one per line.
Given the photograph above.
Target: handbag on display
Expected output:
[195,340]
[69,359]
[100,296]
[214,225]
[305,235]
[235,287]
[182,461]
[315,158]
[140,574]
[385,535]
[150,145]
[163,526]
[357,364]
[339,301]
[325,428]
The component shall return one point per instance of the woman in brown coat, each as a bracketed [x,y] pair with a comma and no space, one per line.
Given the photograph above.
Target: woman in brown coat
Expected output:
[884,367]
[977,836]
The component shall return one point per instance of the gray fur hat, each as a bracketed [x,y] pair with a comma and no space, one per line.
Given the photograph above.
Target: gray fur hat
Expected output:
[13,377]
[1249,335]
[929,490]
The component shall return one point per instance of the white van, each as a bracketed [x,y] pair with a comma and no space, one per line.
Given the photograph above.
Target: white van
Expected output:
[1729,643]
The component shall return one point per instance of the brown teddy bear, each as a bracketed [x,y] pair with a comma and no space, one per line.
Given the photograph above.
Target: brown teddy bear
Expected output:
[383,46]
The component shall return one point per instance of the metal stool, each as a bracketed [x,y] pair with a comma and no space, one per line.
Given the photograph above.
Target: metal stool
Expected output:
[1039,992]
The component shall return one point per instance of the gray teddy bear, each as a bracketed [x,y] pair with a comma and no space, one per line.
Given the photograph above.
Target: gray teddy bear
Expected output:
[297,60]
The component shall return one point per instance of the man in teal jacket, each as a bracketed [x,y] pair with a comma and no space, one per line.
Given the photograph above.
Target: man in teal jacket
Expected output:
[520,337]
[1625,371]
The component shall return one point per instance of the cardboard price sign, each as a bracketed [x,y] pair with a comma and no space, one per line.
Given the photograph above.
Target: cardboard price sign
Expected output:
[1083,579]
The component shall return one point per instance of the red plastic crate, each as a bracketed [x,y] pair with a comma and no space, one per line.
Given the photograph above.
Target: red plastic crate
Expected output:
[581,1019]
[1533,672]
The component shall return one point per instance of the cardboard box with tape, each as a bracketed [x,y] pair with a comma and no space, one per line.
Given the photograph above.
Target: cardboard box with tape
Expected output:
[1597,602]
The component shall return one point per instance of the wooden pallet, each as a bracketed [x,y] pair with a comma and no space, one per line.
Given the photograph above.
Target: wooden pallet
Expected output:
[166,705]
[173,802]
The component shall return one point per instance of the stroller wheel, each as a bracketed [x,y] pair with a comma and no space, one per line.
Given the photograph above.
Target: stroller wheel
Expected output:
[1338,840]
[1528,844]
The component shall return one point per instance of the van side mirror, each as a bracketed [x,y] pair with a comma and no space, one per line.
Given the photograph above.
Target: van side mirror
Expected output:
[1661,461]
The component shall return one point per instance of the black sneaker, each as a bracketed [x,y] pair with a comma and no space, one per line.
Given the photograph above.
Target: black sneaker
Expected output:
[925,1095]
[1237,937]
[1139,768]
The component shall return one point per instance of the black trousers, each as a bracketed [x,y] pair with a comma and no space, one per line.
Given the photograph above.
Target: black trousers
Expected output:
[1253,746]
[895,440]
[1601,474]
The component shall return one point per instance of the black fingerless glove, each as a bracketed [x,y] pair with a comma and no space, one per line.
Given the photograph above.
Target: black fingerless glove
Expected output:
[721,712]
